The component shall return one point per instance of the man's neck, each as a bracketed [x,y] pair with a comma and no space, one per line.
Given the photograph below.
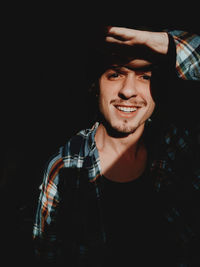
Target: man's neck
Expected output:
[122,159]
[123,144]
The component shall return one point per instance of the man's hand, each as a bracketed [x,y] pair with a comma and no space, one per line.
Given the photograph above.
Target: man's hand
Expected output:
[156,41]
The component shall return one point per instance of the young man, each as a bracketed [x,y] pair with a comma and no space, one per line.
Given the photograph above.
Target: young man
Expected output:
[120,192]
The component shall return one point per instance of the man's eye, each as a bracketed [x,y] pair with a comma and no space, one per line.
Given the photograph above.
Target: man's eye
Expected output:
[113,75]
[146,77]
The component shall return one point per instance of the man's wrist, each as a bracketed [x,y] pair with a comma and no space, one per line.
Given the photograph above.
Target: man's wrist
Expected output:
[159,41]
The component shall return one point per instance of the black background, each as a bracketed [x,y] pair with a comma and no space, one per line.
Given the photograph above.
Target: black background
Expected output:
[43,100]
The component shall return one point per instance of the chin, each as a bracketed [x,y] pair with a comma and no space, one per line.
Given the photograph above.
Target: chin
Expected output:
[117,128]
[120,130]
[125,126]
[125,129]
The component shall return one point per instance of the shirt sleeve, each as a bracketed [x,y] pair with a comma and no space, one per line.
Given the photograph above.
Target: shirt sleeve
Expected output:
[44,227]
[187,54]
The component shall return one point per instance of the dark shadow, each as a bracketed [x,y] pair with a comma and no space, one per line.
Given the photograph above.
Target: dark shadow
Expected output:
[41,110]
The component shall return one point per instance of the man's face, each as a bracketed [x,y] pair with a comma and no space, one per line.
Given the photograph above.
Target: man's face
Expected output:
[125,99]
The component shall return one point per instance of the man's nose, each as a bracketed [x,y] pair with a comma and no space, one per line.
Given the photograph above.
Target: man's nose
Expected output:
[129,87]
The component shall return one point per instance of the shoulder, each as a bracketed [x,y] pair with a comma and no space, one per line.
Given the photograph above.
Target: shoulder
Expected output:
[77,148]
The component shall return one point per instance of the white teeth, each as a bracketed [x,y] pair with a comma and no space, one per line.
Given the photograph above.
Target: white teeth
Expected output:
[126,109]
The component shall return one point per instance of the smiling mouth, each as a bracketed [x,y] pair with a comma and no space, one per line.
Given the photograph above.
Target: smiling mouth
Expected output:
[127,109]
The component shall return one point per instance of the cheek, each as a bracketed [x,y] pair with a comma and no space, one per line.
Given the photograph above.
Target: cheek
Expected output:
[106,94]
[108,89]
[103,101]
[150,102]
[146,95]
[151,106]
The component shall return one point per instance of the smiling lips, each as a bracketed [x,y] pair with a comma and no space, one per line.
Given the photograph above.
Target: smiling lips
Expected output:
[127,110]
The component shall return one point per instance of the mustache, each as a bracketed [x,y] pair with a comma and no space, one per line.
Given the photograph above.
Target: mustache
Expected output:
[130,102]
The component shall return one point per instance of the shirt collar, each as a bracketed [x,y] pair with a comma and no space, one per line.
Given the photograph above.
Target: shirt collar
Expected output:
[91,160]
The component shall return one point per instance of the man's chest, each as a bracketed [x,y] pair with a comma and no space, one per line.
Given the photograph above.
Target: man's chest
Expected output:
[123,167]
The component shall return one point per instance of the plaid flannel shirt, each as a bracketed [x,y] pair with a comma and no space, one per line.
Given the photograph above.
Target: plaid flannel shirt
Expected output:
[173,169]
[188,54]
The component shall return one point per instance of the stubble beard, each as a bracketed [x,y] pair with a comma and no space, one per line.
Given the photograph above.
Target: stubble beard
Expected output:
[122,129]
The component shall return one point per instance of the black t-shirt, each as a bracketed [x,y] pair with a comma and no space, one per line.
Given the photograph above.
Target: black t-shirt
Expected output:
[137,233]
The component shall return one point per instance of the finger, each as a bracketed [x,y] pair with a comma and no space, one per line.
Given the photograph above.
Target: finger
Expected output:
[114,40]
[110,39]
[120,32]
[116,30]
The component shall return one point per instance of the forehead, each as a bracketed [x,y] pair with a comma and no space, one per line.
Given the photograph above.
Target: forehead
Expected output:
[133,64]
[138,64]
[120,60]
